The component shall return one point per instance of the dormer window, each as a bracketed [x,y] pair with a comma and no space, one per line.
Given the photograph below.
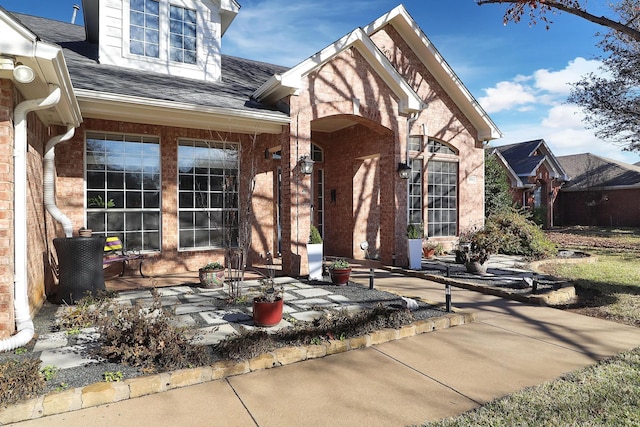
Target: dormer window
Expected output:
[182,28]
[174,37]
[145,28]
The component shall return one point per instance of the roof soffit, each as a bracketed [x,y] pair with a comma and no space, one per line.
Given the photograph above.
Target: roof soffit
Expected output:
[110,106]
[409,30]
[291,81]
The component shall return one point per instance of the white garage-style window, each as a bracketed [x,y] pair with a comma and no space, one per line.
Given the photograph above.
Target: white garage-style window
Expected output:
[208,188]
[123,188]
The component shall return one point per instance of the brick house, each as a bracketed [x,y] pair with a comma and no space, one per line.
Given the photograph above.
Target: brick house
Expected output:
[535,176]
[602,192]
[182,151]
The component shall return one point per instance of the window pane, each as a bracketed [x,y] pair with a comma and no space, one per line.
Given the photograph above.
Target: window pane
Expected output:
[442,199]
[208,219]
[114,199]
[183,35]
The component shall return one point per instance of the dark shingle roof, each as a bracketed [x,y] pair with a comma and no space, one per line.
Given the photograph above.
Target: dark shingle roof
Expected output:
[588,171]
[240,77]
[519,157]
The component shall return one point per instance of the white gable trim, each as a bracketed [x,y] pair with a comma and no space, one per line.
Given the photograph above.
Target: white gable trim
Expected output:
[443,73]
[291,81]
[47,61]
[109,106]
[510,171]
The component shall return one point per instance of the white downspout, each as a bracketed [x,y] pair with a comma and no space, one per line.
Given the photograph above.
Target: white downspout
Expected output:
[49,179]
[24,323]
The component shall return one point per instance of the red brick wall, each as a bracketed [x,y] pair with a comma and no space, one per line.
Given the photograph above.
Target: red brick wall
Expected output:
[37,136]
[70,189]
[7,322]
[605,208]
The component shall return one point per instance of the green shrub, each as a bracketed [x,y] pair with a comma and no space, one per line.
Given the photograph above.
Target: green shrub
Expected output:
[512,233]
[20,380]
[314,235]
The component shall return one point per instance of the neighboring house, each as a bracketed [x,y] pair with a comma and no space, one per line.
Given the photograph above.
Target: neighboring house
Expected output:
[181,151]
[602,192]
[535,176]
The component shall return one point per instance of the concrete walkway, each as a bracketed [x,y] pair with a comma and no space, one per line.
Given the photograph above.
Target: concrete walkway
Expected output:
[409,381]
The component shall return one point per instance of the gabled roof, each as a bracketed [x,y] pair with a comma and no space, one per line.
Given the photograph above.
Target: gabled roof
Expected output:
[288,83]
[112,92]
[590,172]
[524,158]
[291,81]
[410,31]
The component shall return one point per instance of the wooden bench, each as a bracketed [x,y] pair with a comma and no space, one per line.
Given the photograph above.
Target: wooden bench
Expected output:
[114,253]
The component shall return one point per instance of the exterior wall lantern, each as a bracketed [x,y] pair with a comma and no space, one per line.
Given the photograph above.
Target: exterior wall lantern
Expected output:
[306,165]
[404,170]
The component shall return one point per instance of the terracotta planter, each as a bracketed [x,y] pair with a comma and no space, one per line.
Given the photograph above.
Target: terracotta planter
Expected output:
[340,276]
[428,252]
[211,278]
[267,313]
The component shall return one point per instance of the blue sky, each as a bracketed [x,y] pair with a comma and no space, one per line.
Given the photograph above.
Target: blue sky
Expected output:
[518,72]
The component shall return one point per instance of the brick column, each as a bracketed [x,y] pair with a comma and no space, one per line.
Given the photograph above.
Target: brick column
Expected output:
[296,203]
[7,316]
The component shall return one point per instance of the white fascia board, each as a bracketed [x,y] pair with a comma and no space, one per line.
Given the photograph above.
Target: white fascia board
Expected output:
[554,163]
[51,61]
[125,108]
[442,72]
[291,81]
[47,61]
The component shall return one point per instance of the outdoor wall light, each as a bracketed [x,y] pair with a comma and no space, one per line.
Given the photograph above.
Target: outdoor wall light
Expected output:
[404,170]
[23,74]
[306,165]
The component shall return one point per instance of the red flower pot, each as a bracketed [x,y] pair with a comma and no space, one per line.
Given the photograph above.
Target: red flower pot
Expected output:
[267,313]
[340,276]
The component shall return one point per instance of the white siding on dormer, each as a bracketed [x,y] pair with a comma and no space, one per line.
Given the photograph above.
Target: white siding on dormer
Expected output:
[114,40]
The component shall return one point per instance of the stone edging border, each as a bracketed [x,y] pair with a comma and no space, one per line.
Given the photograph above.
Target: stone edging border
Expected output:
[110,392]
[561,296]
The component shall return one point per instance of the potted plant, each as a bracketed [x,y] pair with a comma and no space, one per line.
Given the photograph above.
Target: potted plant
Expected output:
[340,270]
[475,255]
[415,234]
[430,249]
[314,254]
[267,307]
[211,275]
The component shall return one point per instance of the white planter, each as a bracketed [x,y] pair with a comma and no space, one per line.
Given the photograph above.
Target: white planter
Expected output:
[415,254]
[314,255]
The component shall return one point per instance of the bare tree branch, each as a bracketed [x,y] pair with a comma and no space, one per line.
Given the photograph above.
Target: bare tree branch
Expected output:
[515,11]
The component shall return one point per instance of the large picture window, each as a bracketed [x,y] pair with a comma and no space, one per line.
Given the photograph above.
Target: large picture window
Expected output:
[442,195]
[123,188]
[208,194]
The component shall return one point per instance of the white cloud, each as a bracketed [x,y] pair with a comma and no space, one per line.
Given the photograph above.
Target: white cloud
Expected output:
[285,32]
[506,95]
[543,87]
[559,82]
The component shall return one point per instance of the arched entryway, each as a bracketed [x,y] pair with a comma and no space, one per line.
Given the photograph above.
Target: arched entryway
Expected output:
[353,177]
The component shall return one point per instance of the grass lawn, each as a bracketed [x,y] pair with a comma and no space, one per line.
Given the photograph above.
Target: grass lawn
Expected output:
[607,394]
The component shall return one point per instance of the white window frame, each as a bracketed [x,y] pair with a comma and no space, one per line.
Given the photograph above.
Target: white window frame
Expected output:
[146,166]
[163,57]
[228,240]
